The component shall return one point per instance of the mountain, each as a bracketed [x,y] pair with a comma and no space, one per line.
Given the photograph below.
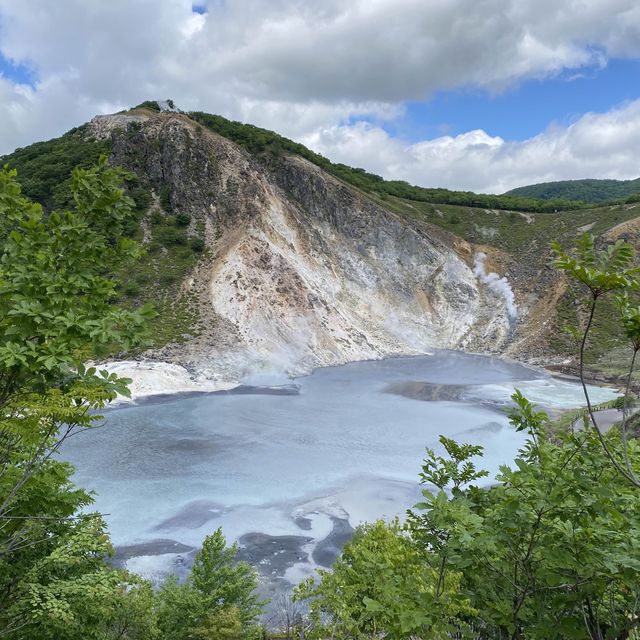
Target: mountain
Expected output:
[590,190]
[262,254]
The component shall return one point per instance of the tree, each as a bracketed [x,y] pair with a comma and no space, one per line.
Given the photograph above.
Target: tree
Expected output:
[549,552]
[381,586]
[601,273]
[216,602]
[57,311]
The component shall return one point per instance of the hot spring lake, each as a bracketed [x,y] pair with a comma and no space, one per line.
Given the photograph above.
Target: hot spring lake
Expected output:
[288,476]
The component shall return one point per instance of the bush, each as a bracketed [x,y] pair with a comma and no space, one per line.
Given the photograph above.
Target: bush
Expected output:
[197,244]
[170,236]
[152,105]
[45,167]
[131,290]
[168,278]
[165,197]
[183,219]
[156,217]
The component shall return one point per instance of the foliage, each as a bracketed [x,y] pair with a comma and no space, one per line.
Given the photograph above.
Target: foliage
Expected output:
[71,593]
[183,219]
[156,278]
[198,245]
[55,301]
[589,190]
[152,105]
[603,271]
[216,601]
[45,167]
[165,197]
[56,312]
[380,585]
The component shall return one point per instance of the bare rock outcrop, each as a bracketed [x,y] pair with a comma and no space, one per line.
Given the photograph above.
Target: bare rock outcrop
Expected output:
[302,269]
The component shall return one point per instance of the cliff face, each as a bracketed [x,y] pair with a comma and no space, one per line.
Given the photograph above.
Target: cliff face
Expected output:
[302,270]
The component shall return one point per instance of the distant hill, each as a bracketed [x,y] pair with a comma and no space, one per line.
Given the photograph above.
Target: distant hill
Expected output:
[589,190]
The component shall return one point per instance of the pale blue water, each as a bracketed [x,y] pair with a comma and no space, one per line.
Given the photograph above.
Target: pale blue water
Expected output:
[343,447]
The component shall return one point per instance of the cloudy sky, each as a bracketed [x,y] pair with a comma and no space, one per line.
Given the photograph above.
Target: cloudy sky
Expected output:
[483,95]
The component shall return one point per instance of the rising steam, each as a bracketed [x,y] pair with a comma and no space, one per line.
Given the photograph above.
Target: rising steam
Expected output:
[498,285]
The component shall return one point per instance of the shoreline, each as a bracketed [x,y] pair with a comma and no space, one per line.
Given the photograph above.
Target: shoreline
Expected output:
[157,381]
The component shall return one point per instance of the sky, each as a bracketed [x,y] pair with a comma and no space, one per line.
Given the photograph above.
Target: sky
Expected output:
[481,95]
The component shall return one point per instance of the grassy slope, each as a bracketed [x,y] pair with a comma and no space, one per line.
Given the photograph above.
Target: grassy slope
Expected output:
[526,238]
[513,231]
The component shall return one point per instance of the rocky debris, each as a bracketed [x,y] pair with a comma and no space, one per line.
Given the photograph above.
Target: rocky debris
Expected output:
[102,127]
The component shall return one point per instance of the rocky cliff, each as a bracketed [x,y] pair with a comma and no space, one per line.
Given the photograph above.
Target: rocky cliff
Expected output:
[301,270]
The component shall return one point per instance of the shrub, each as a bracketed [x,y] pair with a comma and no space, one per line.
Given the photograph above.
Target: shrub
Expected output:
[170,236]
[165,197]
[218,599]
[197,244]
[183,219]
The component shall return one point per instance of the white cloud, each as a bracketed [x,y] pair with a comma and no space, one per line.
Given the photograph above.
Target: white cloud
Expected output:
[310,69]
[597,145]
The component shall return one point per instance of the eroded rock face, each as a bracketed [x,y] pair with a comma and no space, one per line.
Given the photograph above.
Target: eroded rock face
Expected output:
[304,270]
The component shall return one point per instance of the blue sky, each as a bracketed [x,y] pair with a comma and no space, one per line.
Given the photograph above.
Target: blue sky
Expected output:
[16,73]
[514,91]
[524,110]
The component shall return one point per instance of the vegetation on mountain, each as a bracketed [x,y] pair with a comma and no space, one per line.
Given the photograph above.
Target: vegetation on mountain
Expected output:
[151,105]
[45,167]
[586,191]
[265,142]
[152,276]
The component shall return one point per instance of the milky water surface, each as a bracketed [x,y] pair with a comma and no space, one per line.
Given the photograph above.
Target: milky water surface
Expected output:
[346,448]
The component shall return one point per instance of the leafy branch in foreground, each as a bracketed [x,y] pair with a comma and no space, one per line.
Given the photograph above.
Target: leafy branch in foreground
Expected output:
[56,312]
[601,272]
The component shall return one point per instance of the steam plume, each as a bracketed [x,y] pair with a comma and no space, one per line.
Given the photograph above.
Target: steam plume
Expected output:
[498,285]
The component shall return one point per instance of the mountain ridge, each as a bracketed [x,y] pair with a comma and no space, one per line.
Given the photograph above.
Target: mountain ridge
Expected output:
[262,258]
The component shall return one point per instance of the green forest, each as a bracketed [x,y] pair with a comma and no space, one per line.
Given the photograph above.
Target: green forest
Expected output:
[594,191]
